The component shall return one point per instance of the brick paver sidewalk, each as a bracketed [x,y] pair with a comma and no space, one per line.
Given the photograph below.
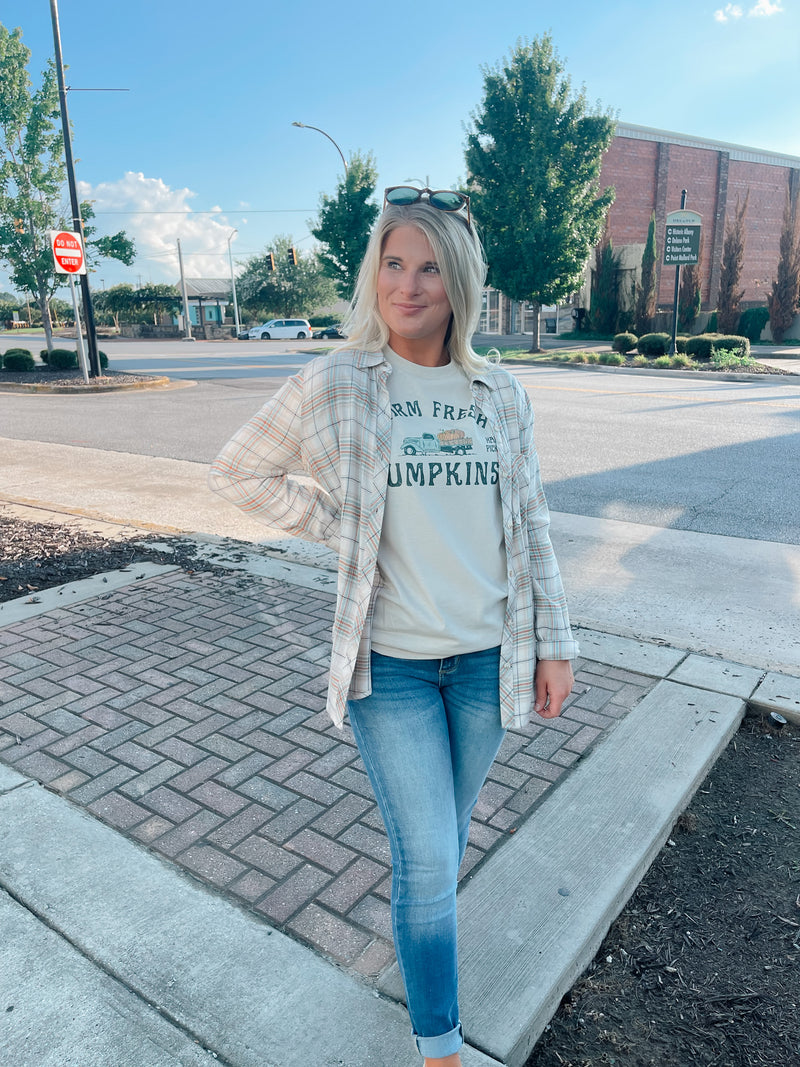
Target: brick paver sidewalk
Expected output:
[187,712]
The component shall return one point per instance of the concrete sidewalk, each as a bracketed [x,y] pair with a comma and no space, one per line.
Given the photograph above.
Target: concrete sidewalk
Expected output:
[191,863]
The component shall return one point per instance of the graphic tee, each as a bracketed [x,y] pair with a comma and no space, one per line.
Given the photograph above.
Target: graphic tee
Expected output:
[442,555]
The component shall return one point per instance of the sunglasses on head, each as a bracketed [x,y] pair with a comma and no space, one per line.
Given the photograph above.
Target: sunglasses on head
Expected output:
[443,199]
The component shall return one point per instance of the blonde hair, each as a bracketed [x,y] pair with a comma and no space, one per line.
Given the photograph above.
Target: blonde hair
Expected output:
[462,266]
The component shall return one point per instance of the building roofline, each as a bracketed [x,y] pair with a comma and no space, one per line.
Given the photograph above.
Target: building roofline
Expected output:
[736,151]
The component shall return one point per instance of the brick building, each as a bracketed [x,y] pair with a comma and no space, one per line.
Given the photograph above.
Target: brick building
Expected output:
[649,168]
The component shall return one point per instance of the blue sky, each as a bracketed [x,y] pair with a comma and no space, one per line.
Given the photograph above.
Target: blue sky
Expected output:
[215,87]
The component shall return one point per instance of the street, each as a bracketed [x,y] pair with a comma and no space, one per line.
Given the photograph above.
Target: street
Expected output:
[677,453]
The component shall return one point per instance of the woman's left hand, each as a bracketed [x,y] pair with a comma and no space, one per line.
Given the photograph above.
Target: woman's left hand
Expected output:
[554,683]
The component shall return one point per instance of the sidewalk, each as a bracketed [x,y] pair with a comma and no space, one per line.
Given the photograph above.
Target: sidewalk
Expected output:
[193,870]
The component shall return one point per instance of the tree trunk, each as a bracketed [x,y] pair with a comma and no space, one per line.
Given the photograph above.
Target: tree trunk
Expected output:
[537,311]
[44,307]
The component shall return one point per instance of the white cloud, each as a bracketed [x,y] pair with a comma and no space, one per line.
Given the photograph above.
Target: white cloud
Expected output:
[155,215]
[730,11]
[765,8]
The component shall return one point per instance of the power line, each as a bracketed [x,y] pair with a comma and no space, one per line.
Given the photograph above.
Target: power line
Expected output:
[227,211]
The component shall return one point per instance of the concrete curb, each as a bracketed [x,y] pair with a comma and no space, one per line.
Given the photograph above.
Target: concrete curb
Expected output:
[786,378]
[82,388]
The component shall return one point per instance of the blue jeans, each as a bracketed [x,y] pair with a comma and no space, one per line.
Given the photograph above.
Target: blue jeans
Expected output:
[428,734]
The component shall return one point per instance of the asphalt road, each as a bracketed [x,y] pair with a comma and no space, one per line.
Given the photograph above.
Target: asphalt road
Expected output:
[708,456]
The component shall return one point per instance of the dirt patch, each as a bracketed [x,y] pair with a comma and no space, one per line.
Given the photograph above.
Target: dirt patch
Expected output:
[701,968]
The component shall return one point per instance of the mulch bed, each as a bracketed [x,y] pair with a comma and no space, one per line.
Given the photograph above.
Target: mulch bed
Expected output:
[41,555]
[701,968]
[69,379]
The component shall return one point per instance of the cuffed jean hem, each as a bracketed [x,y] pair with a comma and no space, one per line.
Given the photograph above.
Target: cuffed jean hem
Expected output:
[443,1045]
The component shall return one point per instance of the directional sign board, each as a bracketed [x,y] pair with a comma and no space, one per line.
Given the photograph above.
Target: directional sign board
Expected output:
[682,238]
[67,252]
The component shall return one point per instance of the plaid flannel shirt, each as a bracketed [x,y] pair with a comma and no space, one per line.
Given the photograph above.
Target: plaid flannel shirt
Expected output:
[331,425]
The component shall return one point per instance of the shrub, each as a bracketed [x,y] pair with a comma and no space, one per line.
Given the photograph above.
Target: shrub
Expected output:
[624,342]
[681,360]
[592,357]
[726,358]
[654,344]
[611,359]
[752,322]
[662,361]
[639,360]
[62,359]
[711,325]
[701,347]
[740,346]
[44,355]
[103,359]
[578,357]
[18,359]
[680,344]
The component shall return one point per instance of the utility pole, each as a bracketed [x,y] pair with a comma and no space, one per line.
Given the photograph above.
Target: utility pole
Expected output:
[77,221]
[233,285]
[187,322]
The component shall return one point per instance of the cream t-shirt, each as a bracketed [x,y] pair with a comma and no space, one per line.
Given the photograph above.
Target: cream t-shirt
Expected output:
[442,555]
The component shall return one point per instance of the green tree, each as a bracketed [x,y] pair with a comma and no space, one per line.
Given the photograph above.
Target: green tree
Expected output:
[647,289]
[345,222]
[32,178]
[784,300]
[533,160]
[689,296]
[286,291]
[604,304]
[730,296]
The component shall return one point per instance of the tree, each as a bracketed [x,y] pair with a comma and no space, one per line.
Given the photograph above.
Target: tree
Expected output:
[784,300]
[730,296]
[32,177]
[690,294]
[647,289]
[604,304]
[345,222]
[533,160]
[286,291]
[138,305]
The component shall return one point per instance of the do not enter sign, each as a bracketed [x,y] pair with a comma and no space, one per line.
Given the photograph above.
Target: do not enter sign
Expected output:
[67,252]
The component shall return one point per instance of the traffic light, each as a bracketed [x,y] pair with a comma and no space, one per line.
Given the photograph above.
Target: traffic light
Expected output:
[270,261]
[292,256]
[19,225]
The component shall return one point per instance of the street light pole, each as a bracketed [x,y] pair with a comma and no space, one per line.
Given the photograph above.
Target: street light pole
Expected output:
[233,284]
[304,126]
[77,221]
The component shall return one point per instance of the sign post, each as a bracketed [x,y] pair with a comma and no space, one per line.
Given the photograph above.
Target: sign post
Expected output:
[69,258]
[681,247]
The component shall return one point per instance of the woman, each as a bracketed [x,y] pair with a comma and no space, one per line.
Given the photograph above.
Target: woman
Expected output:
[450,621]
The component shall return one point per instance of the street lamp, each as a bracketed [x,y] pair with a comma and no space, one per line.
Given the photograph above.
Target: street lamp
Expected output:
[233,284]
[303,126]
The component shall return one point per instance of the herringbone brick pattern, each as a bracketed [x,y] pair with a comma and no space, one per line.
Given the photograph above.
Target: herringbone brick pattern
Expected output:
[187,711]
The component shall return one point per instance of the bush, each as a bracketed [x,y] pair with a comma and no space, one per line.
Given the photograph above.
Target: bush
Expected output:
[18,359]
[592,357]
[662,361]
[578,357]
[611,359]
[624,342]
[711,325]
[681,360]
[701,347]
[62,359]
[44,355]
[103,359]
[654,344]
[639,360]
[680,344]
[740,346]
[752,322]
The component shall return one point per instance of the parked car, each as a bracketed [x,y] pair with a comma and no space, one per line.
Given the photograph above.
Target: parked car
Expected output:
[281,328]
[331,333]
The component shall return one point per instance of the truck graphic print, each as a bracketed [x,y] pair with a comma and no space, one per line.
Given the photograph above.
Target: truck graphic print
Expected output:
[451,442]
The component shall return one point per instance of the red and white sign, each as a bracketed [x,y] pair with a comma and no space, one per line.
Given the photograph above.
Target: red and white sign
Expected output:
[67,252]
